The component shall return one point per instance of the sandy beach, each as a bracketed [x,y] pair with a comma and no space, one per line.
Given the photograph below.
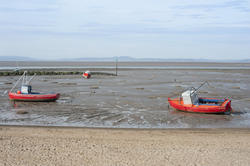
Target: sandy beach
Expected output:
[84,146]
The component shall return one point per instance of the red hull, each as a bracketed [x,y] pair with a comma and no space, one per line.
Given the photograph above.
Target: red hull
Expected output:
[33,97]
[222,108]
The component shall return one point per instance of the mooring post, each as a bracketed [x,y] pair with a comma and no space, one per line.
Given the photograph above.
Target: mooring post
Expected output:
[116,67]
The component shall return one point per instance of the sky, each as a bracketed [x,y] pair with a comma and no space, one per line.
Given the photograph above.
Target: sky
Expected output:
[171,29]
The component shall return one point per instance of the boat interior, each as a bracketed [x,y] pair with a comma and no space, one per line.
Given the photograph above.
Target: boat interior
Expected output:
[204,101]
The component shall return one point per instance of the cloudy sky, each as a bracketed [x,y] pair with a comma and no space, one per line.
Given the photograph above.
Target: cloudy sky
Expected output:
[55,29]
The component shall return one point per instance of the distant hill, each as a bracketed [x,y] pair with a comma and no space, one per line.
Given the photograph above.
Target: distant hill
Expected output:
[120,59]
[105,59]
[131,59]
[16,58]
[246,60]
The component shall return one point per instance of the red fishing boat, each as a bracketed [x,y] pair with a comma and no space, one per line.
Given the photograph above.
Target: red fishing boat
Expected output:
[190,102]
[210,106]
[26,94]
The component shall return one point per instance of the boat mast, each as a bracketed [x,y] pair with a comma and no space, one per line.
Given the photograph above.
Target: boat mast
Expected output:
[116,67]
[25,80]
[199,87]
[24,73]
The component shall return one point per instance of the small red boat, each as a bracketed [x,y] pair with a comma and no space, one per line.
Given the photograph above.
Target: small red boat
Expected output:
[86,74]
[26,94]
[35,97]
[190,102]
[205,105]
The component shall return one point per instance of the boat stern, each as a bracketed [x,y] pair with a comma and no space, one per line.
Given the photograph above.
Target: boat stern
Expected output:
[228,105]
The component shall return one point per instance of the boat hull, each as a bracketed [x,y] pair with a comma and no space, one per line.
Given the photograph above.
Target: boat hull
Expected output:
[225,106]
[34,97]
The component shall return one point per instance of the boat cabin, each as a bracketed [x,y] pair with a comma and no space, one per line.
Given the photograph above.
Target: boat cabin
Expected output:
[26,89]
[190,97]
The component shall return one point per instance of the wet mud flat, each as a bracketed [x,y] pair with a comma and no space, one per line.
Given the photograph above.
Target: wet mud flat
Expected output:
[135,98]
